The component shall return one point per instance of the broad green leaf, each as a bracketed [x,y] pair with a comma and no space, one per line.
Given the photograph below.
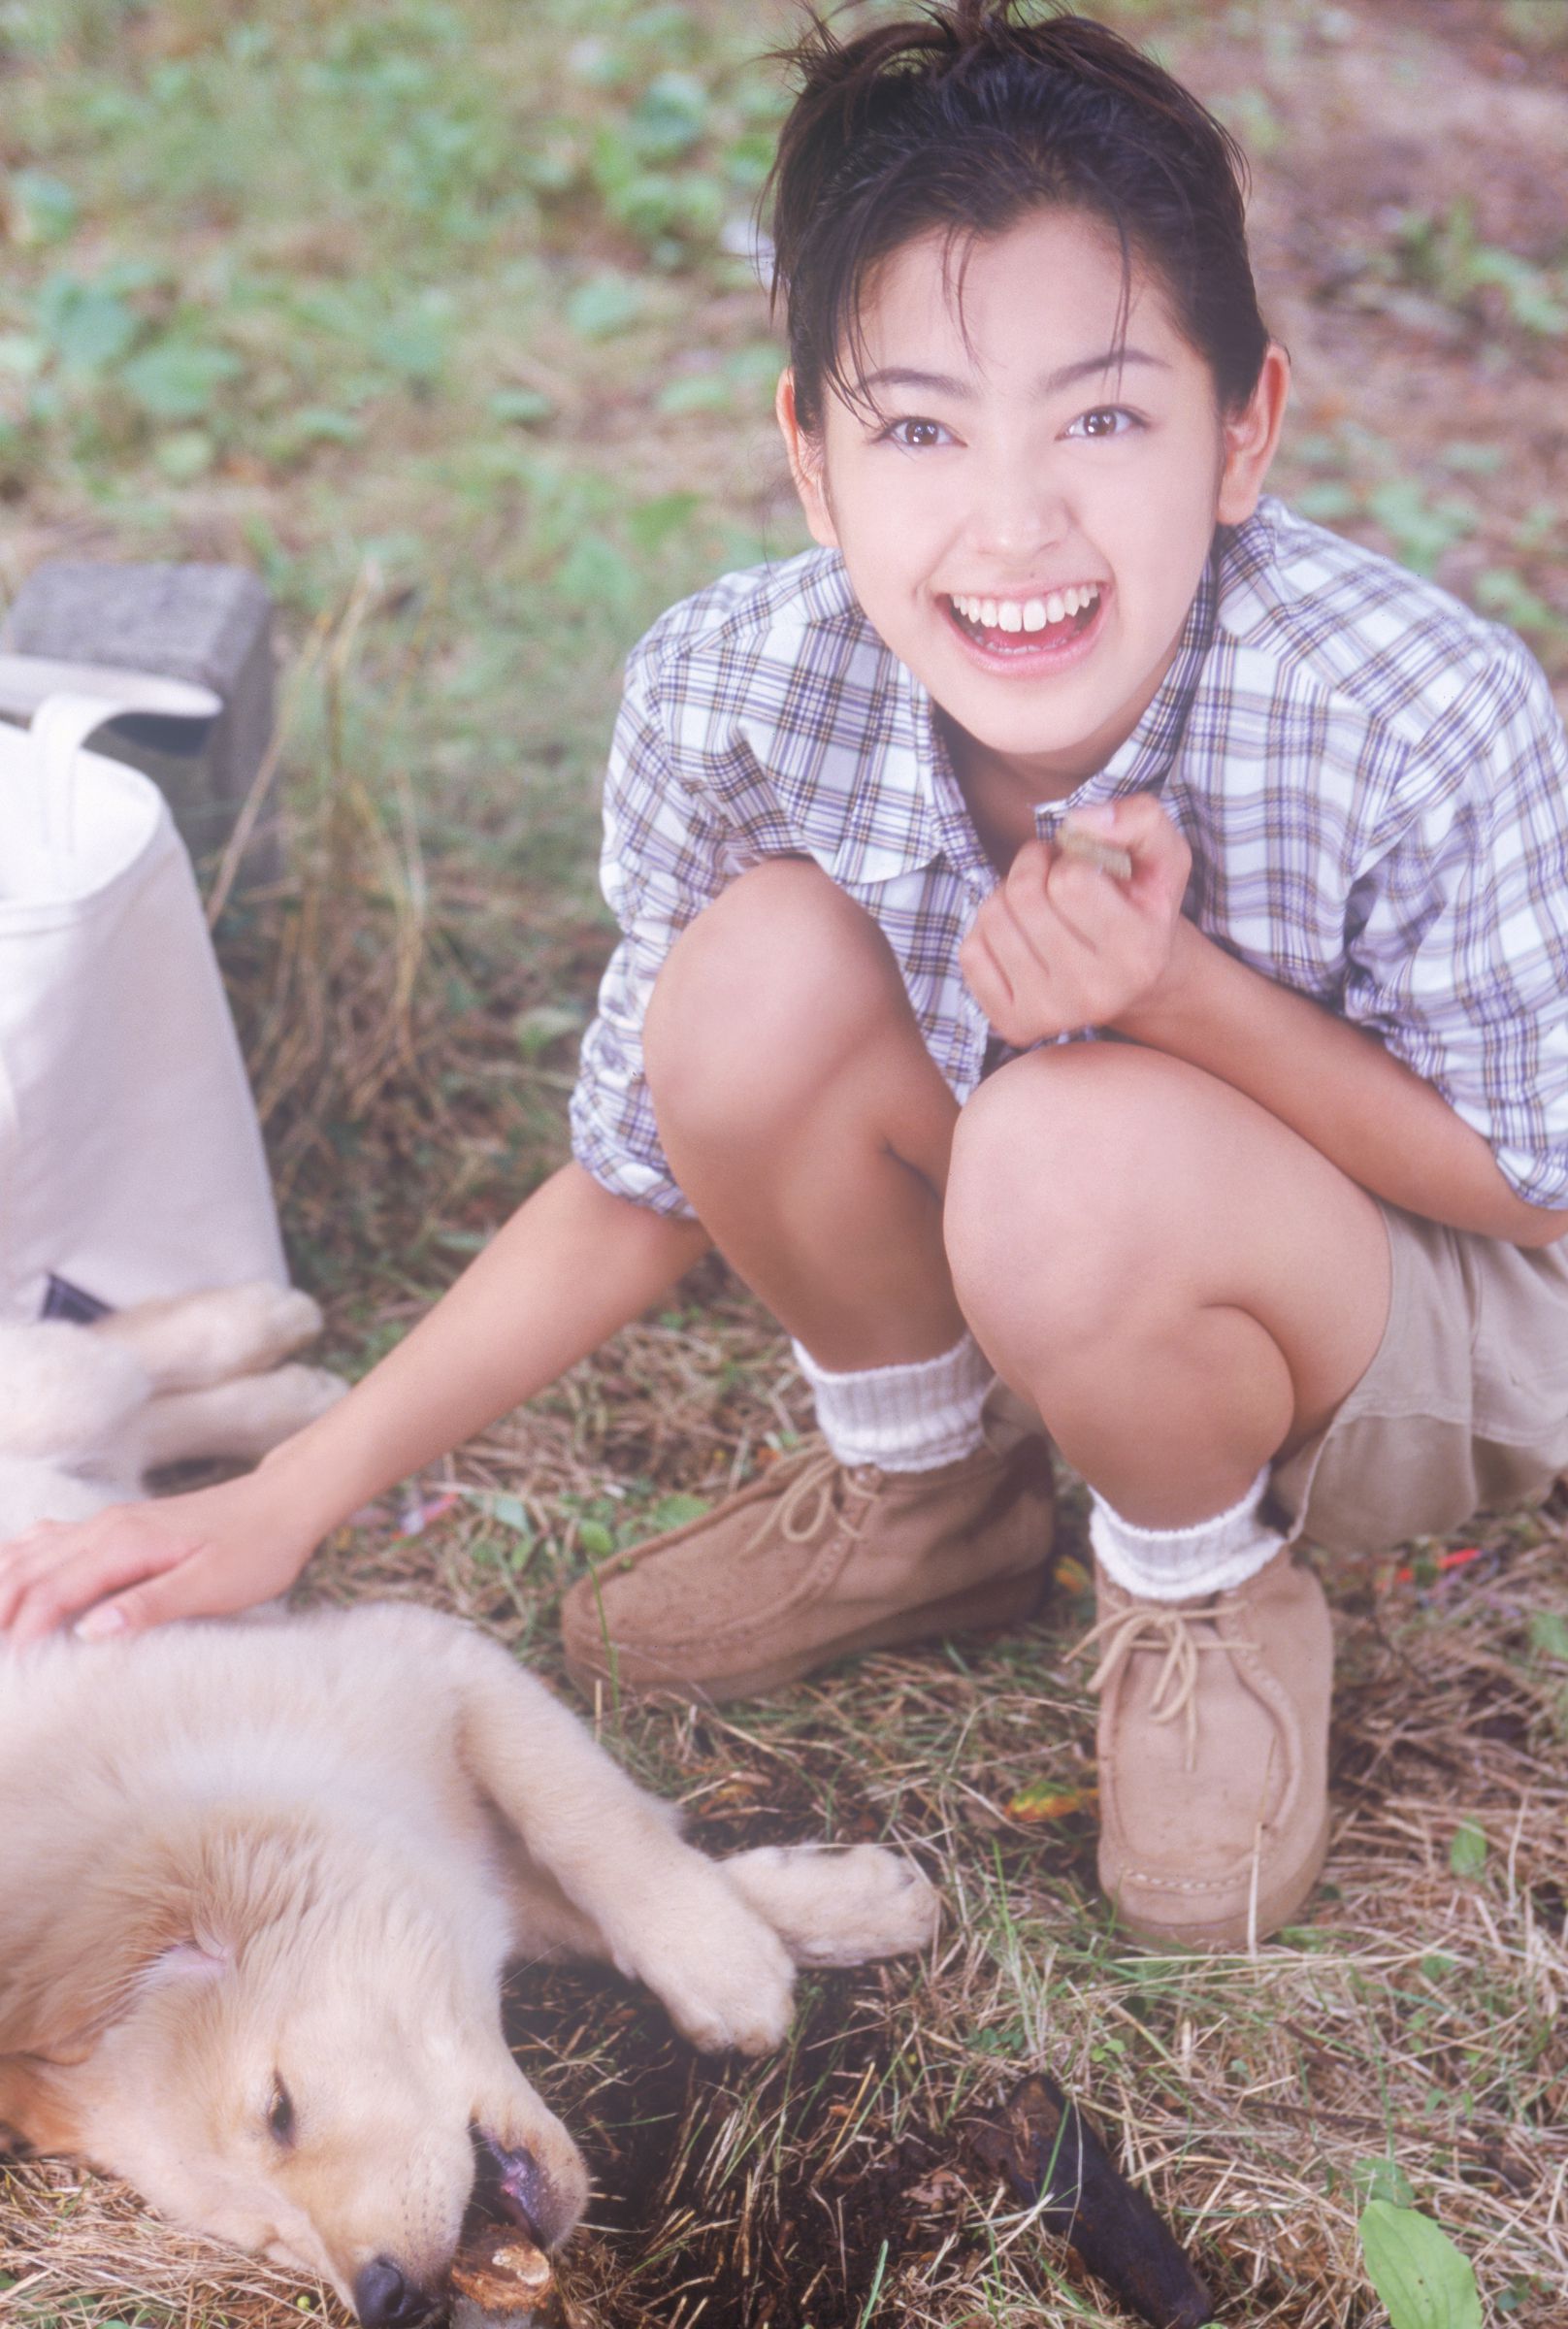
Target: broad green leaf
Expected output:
[44,208]
[694,392]
[321,424]
[184,454]
[415,347]
[1418,2272]
[595,573]
[1467,1854]
[604,305]
[510,1511]
[653,523]
[86,324]
[670,118]
[1326,500]
[178,380]
[1498,590]
[1382,2180]
[523,407]
[22,353]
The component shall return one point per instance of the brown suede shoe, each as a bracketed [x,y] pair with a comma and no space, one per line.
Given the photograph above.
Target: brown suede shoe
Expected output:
[813,1561]
[1214,1756]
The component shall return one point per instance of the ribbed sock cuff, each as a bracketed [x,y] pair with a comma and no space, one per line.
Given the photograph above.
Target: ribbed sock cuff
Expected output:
[1178,1564]
[903,1419]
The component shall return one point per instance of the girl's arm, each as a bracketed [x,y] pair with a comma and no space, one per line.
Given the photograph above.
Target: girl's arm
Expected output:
[572,1265]
[1061,946]
[1364,1111]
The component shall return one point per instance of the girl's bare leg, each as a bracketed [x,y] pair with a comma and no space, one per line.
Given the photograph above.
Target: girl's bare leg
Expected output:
[1181,1285]
[804,1119]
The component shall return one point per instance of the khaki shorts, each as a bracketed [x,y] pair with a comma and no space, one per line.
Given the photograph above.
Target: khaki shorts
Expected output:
[1464,1409]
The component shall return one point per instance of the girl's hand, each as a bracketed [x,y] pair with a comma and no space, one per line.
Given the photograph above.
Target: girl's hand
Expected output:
[1062,946]
[204,1555]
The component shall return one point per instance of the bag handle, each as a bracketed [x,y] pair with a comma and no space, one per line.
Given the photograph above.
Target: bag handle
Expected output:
[70,703]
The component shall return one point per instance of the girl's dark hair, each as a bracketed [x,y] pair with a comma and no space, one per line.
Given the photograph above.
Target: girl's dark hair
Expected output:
[964,118]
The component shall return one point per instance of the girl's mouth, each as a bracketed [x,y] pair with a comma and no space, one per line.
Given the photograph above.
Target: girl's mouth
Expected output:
[1032,630]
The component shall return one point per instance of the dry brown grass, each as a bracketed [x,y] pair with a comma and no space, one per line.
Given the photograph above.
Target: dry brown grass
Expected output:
[1417,2018]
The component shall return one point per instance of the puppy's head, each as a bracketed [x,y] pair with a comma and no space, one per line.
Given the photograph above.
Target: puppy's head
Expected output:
[300,2054]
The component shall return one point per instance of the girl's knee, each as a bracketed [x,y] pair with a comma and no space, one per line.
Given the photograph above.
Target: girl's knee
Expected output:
[1050,1204]
[768,990]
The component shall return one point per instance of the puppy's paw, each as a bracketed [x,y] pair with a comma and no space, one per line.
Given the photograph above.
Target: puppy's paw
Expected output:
[721,1973]
[204,1338]
[253,1326]
[303,1393]
[839,1908]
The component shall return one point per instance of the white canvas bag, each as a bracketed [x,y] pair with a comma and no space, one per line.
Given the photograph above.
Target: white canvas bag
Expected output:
[131,1165]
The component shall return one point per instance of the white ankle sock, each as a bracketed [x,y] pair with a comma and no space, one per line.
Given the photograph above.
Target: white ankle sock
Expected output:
[903,1419]
[1176,1564]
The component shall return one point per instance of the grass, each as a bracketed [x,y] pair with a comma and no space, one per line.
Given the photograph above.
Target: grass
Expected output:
[442,316]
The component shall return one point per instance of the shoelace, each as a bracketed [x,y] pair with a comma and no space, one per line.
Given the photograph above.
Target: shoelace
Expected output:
[1151,1626]
[810,1502]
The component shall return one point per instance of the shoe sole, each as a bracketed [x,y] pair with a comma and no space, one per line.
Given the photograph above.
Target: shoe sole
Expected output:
[987,1607]
[1279,1906]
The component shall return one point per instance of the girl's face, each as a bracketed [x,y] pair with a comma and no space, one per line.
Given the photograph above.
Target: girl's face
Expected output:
[1026,514]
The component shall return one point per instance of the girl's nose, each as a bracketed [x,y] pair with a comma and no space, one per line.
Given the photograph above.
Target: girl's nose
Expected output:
[1018,510]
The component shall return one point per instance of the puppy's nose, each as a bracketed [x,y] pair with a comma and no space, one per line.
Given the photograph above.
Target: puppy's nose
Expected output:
[385,2298]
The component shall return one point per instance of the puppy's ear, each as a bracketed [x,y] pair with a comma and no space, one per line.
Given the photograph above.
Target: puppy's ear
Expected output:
[33,2114]
[104,1948]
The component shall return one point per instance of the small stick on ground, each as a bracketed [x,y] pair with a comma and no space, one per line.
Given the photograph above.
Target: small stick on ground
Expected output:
[1046,2150]
[501,2280]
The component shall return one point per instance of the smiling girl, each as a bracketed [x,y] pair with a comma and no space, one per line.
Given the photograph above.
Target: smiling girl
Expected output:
[1080,923]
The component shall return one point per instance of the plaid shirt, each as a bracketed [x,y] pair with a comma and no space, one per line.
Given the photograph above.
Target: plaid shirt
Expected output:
[1374,783]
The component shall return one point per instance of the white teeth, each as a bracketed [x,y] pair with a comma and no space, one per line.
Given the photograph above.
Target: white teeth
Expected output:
[1029,614]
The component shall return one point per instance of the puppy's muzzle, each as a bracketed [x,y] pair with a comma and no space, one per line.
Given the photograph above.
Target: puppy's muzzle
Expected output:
[385,2298]
[510,2186]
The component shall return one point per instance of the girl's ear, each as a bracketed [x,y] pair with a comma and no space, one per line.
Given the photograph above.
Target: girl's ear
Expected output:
[1250,437]
[807,466]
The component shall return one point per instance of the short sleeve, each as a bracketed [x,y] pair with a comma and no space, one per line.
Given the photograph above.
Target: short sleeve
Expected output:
[664,859]
[1460,959]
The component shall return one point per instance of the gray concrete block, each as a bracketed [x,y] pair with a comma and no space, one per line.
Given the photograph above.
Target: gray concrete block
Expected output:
[210,624]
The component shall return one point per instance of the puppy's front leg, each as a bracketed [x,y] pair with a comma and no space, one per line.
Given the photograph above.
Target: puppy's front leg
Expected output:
[662,1912]
[242,1419]
[199,1338]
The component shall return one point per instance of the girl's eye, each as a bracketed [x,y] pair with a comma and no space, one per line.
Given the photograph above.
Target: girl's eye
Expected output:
[280,2114]
[914,434]
[1105,420]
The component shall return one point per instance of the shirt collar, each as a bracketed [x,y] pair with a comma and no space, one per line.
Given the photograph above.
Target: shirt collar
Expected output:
[914,760]
[1144,761]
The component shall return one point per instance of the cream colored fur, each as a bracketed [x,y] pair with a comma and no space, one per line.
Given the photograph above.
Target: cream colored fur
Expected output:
[285,1860]
[85,1411]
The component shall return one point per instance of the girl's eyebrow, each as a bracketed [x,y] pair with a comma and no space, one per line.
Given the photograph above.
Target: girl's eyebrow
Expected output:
[941,383]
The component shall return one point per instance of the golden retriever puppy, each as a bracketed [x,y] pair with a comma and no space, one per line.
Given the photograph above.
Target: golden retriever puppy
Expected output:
[86,1411]
[259,1881]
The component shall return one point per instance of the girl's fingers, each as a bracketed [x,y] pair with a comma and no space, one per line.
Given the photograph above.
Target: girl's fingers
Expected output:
[984,976]
[67,1572]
